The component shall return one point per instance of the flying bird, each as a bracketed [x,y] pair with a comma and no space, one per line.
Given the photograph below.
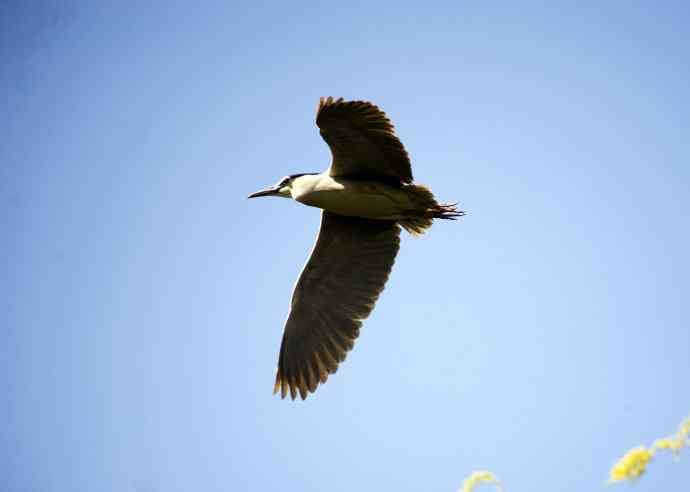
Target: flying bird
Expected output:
[366,195]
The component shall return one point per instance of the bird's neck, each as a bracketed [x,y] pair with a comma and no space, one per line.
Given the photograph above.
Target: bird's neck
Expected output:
[310,183]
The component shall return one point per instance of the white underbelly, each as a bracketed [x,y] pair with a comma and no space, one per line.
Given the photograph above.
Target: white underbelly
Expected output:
[358,199]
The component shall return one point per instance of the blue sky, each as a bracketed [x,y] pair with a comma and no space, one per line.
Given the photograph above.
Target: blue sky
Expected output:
[143,296]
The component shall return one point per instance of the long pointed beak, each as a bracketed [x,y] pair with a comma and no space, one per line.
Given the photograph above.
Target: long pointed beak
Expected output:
[266,192]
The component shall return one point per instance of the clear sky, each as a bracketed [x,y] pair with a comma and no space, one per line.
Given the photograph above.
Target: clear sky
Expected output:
[143,296]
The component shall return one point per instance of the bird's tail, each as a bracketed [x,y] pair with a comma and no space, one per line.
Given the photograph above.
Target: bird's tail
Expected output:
[426,209]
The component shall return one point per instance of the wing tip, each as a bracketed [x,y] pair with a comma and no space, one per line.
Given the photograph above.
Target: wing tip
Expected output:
[325,102]
[304,384]
[290,386]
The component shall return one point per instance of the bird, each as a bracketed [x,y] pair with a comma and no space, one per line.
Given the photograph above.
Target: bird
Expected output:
[366,195]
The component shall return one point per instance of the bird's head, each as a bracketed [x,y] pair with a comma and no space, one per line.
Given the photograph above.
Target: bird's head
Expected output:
[281,188]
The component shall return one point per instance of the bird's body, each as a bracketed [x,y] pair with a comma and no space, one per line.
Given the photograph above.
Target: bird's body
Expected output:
[366,194]
[355,198]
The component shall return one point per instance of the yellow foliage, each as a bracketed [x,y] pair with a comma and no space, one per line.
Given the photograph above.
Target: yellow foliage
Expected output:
[632,465]
[477,477]
[671,443]
[629,467]
[635,461]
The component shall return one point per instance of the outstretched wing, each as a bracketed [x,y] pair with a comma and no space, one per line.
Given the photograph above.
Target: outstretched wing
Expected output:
[337,289]
[362,141]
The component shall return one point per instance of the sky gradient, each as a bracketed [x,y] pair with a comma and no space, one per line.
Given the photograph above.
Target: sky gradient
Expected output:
[143,296]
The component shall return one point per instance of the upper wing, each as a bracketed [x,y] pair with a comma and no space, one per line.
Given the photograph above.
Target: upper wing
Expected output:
[337,289]
[362,141]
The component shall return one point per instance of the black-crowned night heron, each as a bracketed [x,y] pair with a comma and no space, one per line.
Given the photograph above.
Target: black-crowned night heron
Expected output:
[365,195]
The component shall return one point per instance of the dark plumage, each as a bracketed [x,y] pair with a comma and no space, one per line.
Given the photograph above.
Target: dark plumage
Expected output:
[366,195]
